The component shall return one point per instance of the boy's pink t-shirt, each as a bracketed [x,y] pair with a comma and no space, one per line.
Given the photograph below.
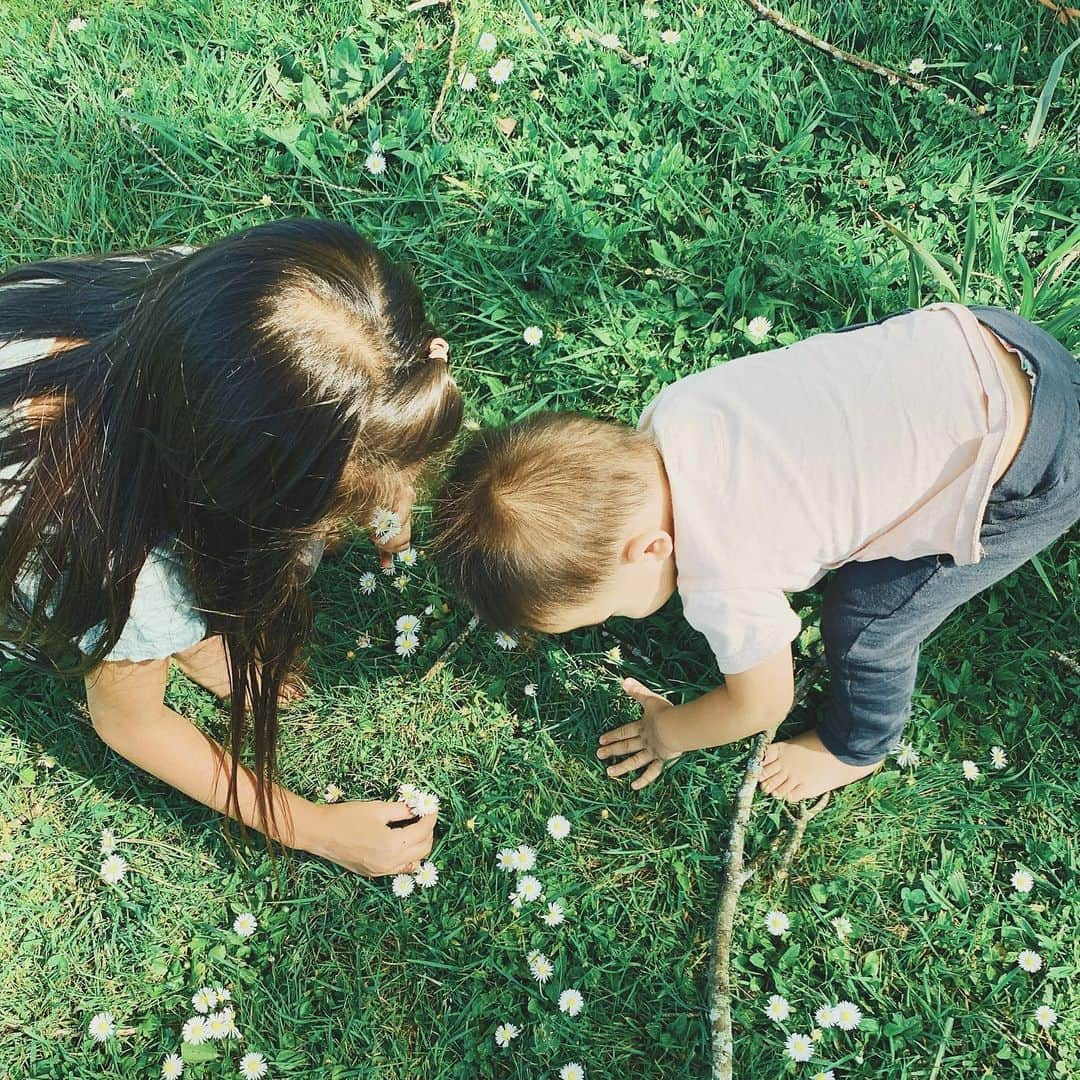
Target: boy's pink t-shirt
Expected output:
[876,442]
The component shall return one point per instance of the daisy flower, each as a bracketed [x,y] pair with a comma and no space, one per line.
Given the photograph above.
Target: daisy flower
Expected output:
[467,82]
[375,163]
[402,885]
[387,571]
[220,1024]
[204,999]
[427,875]
[799,1047]
[777,923]
[757,329]
[533,335]
[471,424]
[253,1066]
[245,924]
[505,1032]
[529,889]
[998,758]
[406,644]
[505,640]
[101,1027]
[500,71]
[400,582]
[108,841]
[842,926]
[609,41]
[196,1031]
[540,967]
[778,1008]
[407,557]
[530,689]
[266,200]
[558,827]
[825,1017]
[1045,1017]
[363,641]
[571,1071]
[424,803]
[1029,961]
[76,25]
[526,858]
[614,654]
[487,43]
[223,993]
[507,859]
[1022,881]
[824,1074]
[650,12]
[907,757]
[554,915]
[407,624]
[571,1002]
[367,583]
[671,37]
[172,1068]
[127,92]
[47,761]
[113,869]
[971,770]
[385,524]
[846,1015]
[332,793]
[917,66]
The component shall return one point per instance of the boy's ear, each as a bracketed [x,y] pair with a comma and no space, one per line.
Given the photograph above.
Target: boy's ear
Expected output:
[656,545]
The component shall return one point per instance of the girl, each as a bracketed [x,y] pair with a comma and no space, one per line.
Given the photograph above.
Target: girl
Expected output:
[181,430]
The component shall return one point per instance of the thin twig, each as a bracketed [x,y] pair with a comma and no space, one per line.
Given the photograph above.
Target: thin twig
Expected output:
[419,5]
[361,104]
[894,77]
[1067,662]
[806,815]
[603,41]
[448,652]
[736,877]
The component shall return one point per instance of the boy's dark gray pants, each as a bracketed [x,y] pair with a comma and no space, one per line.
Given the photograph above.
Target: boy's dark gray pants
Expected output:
[875,615]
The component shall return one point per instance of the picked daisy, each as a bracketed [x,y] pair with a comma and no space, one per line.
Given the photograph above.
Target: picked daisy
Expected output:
[406,644]
[1022,881]
[487,43]
[196,1031]
[571,1002]
[423,803]
[757,329]
[1029,961]
[971,770]
[670,37]
[917,66]
[375,163]
[501,70]
[540,967]
[505,641]
[245,924]
[998,758]
[778,1008]
[572,1071]
[427,875]
[367,583]
[846,1015]
[172,1068]
[253,1066]
[402,885]
[113,869]
[554,916]
[407,624]
[385,524]
[505,1032]
[204,999]
[558,827]
[799,1047]
[842,926]
[1045,1017]
[777,923]
[332,793]
[408,557]
[533,335]
[907,757]
[529,888]
[108,841]
[825,1017]
[101,1027]
[467,82]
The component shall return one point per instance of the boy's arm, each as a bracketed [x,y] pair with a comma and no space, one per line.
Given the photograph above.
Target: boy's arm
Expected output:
[748,702]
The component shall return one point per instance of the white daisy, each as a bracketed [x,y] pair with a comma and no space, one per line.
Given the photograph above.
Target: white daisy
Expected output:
[650,12]
[408,557]
[408,792]
[172,1068]
[400,582]
[757,329]
[505,1032]
[500,71]
[108,841]
[467,82]
[127,92]
[1022,881]
[253,1066]
[387,571]
[971,770]
[219,1024]
[487,43]
[777,923]
[609,41]
[505,640]
[533,335]
[907,757]
[825,1017]
[363,641]
[266,200]
[76,25]
[917,66]
[196,1031]
[245,924]
[526,858]
[223,993]
[842,926]
[614,654]
[778,1008]
[402,885]
[113,869]
[507,859]
[558,827]
[846,1015]
[529,889]
[515,902]
[531,689]
[554,915]
[332,793]
[799,1047]
[424,803]
[204,999]
[571,1002]
[406,644]
[367,583]
[824,1074]
[998,758]
[541,967]
[385,524]
[407,624]
[375,163]
[1045,1017]
[1029,961]
[47,761]
[571,1071]
[427,875]
[101,1027]
[671,37]
[471,424]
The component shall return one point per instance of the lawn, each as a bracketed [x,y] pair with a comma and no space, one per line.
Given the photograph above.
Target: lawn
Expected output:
[640,214]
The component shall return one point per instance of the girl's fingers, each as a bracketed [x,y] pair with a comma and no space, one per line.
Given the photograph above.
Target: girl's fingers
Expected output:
[638,761]
[620,749]
[627,731]
[648,776]
[640,692]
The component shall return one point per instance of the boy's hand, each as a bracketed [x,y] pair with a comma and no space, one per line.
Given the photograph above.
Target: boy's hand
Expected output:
[640,744]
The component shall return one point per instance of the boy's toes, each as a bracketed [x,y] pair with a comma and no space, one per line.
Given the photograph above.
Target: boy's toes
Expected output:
[771,783]
[772,752]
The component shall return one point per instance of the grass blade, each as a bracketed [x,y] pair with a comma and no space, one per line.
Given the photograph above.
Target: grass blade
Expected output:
[1043,107]
[927,259]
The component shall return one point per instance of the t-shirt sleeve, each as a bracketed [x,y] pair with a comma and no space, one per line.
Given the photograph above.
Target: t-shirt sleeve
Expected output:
[743,626]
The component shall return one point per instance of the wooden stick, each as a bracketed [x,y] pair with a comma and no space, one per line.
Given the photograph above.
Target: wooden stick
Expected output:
[806,815]
[448,652]
[450,68]
[723,1045]
[361,104]
[1067,662]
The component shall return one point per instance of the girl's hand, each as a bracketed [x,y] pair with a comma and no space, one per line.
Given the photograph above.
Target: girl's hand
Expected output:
[357,835]
[403,505]
[641,744]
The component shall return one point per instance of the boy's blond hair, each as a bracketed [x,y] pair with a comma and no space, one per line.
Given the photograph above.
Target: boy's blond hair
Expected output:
[529,519]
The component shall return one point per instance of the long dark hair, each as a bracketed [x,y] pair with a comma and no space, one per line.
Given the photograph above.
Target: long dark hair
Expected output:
[230,401]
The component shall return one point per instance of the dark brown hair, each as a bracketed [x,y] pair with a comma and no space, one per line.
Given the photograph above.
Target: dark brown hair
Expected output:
[530,516]
[230,401]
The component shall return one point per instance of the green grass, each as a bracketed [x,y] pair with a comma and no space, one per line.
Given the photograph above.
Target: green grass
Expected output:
[638,216]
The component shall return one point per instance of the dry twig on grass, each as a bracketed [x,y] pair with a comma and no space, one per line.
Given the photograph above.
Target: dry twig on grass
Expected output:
[448,652]
[420,5]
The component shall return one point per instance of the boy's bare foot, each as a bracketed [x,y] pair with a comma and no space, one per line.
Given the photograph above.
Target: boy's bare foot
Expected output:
[802,768]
